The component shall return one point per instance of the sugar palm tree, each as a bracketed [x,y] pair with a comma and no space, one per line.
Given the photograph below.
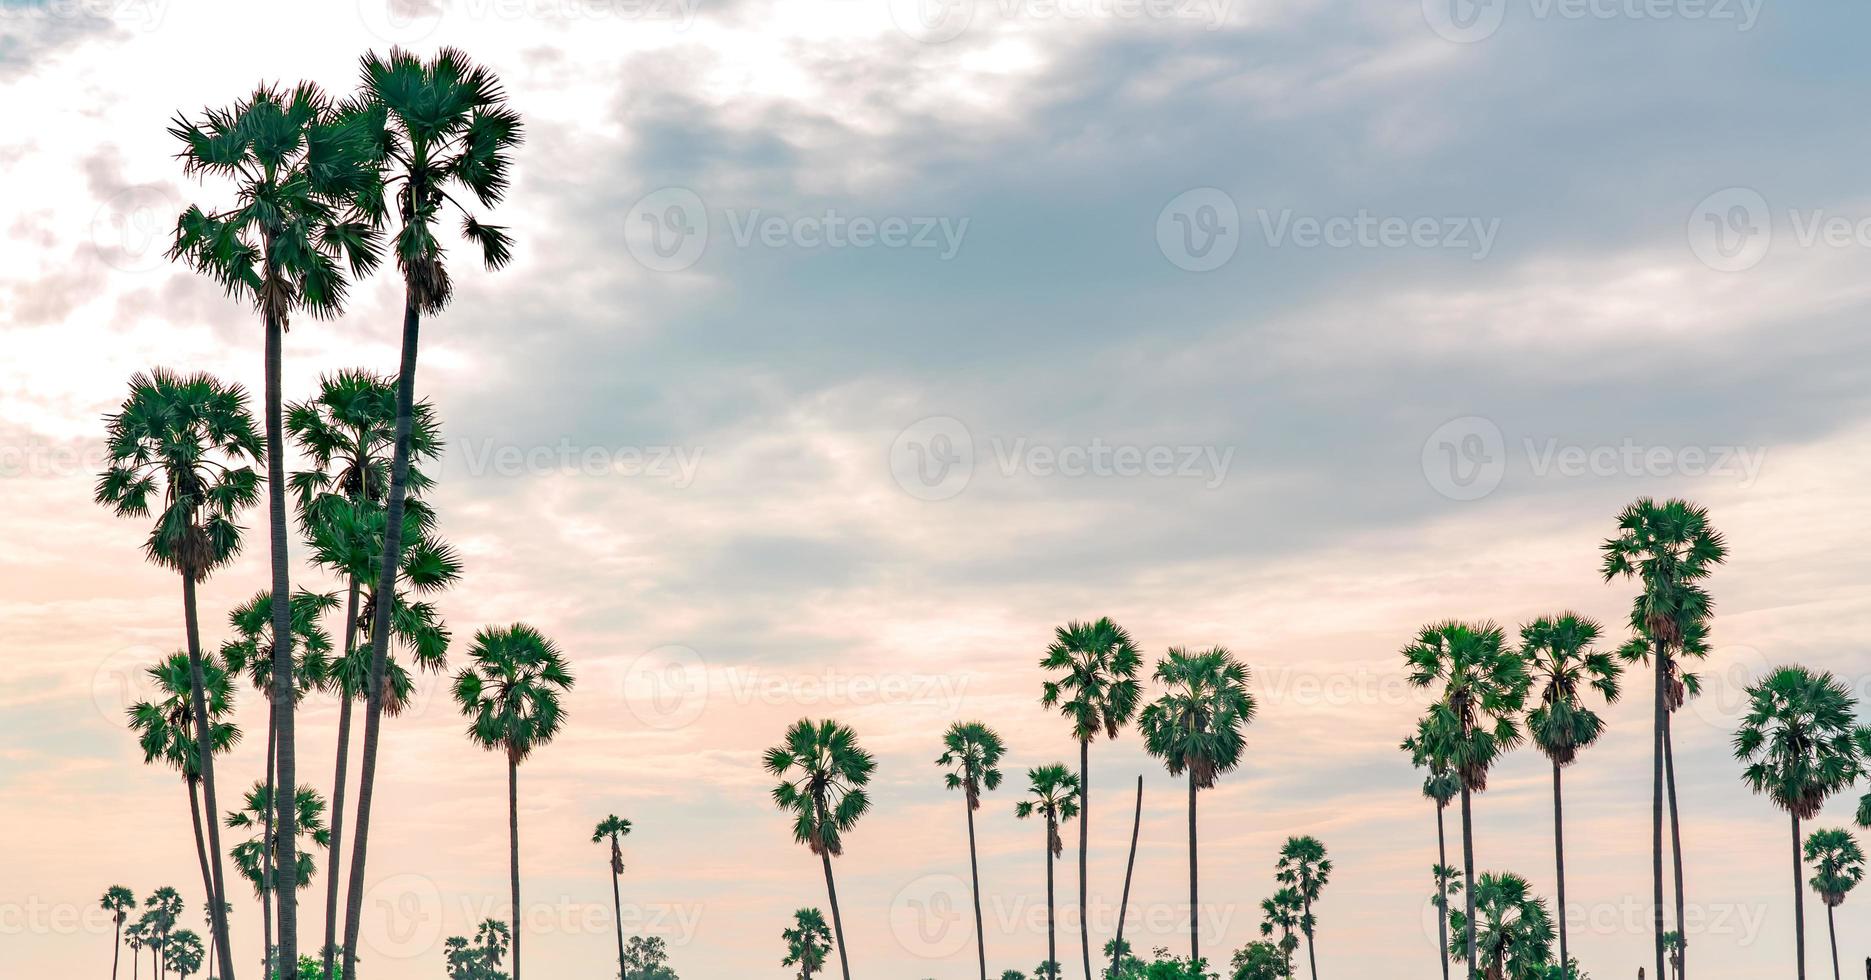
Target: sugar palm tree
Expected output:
[258,857]
[1801,745]
[133,937]
[1473,721]
[510,692]
[250,651]
[1053,794]
[118,901]
[183,953]
[440,126]
[1440,787]
[1196,727]
[1304,867]
[162,909]
[1669,548]
[166,731]
[289,244]
[182,448]
[808,942]
[348,433]
[1838,867]
[613,829]
[1095,667]
[1282,912]
[1559,655]
[1514,930]
[822,773]
[971,752]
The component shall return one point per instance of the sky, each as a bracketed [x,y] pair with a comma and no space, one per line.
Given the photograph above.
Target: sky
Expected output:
[851,346]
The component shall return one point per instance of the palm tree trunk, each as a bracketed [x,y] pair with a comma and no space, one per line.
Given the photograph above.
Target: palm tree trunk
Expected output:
[513,852]
[838,921]
[1559,858]
[974,870]
[1676,844]
[1799,902]
[201,846]
[1084,831]
[1117,945]
[1468,872]
[1832,930]
[1052,931]
[266,848]
[1195,906]
[287,870]
[380,627]
[1656,806]
[204,746]
[116,948]
[1312,952]
[330,951]
[617,905]
[1442,888]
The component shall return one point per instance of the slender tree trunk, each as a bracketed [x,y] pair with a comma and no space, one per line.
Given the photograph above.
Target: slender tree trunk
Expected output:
[1052,932]
[1312,950]
[136,966]
[1559,858]
[1656,805]
[838,921]
[1117,946]
[1832,931]
[201,844]
[513,852]
[1799,902]
[1468,872]
[617,903]
[287,870]
[1676,844]
[204,745]
[116,948]
[1195,905]
[329,953]
[974,870]
[266,849]
[1084,831]
[380,628]
[1442,888]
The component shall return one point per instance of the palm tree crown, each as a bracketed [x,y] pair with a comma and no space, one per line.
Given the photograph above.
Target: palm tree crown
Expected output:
[1196,726]
[972,752]
[1800,740]
[1098,688]
[612,828]
[1512,928]
[1484,685]
[1052,796]
[808,942]
[822,773]
[1558,654]
[166,728]
[349,431]
[1838,864]
[252,856]
[511,689]
[1304,866]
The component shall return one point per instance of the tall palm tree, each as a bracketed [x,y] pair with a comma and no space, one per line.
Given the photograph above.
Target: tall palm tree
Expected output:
[166,731]
[808,942]
[1440,787]
[438,126]
[163,909]
[1095,665]
[510,692]
[289,244]
[1304,867]
[1801,745]
[822,773]
[971,752]
[250,651]
[1559,655]
[1196,728]
[348,432]
[614,829]
[118,901]
[1282,912]
[183,448]
[183,953]
[259,855]
[1838,867]
[1515,932]
[133,937]
[1670,548]
[1053,795]
[1484,684]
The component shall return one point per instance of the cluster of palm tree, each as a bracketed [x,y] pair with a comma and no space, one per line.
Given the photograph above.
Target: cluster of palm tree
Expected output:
[1196,726]
[171,949]
[319,188]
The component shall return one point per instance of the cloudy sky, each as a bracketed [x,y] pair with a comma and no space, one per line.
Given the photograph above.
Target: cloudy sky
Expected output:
[852,345]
